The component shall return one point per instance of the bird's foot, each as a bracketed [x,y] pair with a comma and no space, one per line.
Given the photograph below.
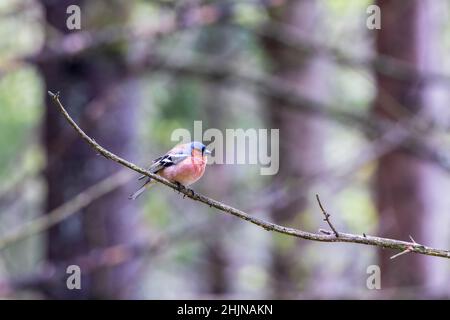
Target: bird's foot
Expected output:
[182,188]
[191,192]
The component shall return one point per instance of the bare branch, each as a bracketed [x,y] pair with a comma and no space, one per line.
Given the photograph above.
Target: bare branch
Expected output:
[269,226]
[157,244]
[67,209]
[327,216]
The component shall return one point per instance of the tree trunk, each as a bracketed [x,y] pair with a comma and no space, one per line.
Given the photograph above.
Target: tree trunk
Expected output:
[100,96]
[404,184]
[215,43]
[299,136]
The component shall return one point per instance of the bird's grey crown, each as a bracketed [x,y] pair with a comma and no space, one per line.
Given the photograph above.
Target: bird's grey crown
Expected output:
[197,145]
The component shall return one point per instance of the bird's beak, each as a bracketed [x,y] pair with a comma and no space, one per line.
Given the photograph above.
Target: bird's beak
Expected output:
[207,151]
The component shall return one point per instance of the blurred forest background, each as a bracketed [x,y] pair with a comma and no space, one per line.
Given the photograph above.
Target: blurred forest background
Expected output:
[363,118]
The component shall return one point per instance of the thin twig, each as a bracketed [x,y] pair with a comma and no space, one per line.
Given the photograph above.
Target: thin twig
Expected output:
[408,249]
[325,231]
[327,217]
[269,226]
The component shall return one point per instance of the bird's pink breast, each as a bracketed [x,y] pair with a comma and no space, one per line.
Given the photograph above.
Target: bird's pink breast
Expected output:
[186,172]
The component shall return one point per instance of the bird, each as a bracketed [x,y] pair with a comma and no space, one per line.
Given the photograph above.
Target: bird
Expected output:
[184,164]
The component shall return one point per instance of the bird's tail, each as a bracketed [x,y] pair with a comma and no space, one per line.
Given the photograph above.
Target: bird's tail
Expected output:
[146,185]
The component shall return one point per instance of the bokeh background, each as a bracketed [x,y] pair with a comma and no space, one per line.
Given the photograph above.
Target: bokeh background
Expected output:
[363,119]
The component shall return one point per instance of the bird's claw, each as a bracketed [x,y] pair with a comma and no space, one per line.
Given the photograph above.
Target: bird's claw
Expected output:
[192,193]
[182,188]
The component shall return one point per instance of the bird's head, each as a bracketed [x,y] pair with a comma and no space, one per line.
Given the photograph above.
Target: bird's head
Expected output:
[199,147]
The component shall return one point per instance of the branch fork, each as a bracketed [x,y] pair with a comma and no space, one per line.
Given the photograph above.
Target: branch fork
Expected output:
[326,219]
[409,248]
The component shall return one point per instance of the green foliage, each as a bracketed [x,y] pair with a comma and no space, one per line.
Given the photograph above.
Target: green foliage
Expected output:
[356,208]
[248,14]
[20,100]
[25,27]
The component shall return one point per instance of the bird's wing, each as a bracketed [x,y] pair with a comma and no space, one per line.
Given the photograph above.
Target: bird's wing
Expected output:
[165,161]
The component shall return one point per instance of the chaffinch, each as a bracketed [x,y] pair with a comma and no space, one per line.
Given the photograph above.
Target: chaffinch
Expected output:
[184,164]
